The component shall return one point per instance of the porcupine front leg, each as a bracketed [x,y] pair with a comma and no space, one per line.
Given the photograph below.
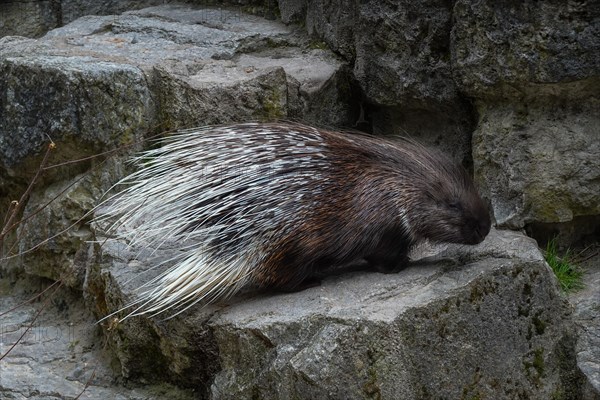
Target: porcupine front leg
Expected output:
[391,255]
[388,263]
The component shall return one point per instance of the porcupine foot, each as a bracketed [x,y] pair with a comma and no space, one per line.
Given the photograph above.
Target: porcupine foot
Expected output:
[305,284]
[388,264]
[391,255]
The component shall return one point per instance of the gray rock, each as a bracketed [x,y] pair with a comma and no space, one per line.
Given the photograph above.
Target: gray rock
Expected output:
[534,69]
[41,16]
[180,350]
[54,239]
[71,10]
[587,315]
[486,327]
[400,51]
[163,54]
[62,351]
[292,11]
[333,22]
[221,92]
[539,162]
[403,54]
[318,86]
[103,83]
[500,48]
[61,97]
[400,56]
[483,321]
[449,130]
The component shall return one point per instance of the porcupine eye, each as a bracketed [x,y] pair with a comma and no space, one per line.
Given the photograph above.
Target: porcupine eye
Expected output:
[455,206]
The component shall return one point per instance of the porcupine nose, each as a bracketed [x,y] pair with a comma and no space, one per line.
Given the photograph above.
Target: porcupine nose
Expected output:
[481,230]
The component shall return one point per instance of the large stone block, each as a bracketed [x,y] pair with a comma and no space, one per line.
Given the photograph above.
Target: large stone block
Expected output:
[504,48]
[482,321]
[104,83]
[400,58]
[534,70]
[539,163]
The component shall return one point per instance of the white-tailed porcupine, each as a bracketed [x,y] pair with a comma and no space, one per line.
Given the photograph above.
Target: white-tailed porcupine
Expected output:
[271,203]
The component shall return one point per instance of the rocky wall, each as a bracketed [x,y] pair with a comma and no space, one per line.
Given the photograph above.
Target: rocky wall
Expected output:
[510,89]
[520,80]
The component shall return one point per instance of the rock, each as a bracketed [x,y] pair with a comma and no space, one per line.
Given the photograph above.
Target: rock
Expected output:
[179,350]
[499,49]
[334,23]
[292,11]
[167,53]
[317,87]
[402,336]
[59,247]
[74,9]
[493,309]
[538,163]
[105,83]
[400,53]
[62,352]
[534,70]
[587,304]
[61,97]
[41,16]
[222,93]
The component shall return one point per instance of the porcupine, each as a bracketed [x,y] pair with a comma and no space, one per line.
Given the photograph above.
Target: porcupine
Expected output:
[270,204]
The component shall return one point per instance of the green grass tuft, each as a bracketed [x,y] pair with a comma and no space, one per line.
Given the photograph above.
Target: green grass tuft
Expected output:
[570,276]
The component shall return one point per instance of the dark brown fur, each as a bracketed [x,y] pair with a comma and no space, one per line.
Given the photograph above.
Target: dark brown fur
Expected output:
[357,216]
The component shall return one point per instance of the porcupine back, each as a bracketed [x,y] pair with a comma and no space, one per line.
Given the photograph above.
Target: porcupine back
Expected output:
[269,204]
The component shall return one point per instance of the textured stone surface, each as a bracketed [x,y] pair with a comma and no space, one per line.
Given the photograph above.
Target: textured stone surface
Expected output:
[400,56]
[538,162]
[587,315]
[43,15]
[106,82]
[400,50]
[180,350]
[402,53]
[403,336]
[53,241]
[534,69]
[493,309]
[62,352]
[40,17]
[59,96]
[521,44]
[102,78]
